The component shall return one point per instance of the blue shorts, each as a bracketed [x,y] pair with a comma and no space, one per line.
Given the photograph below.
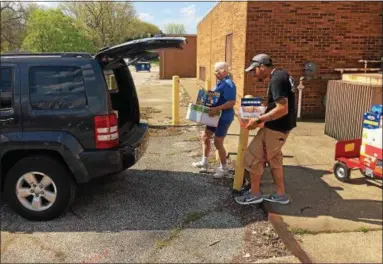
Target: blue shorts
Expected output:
[221,130]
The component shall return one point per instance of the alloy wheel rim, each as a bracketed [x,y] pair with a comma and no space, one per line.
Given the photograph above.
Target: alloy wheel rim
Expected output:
[36,191]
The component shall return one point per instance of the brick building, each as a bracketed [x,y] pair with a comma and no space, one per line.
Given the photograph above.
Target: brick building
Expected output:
[330,34]
[179,62]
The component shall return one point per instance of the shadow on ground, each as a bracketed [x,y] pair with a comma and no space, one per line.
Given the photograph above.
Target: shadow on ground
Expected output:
[144,200]
[312,197]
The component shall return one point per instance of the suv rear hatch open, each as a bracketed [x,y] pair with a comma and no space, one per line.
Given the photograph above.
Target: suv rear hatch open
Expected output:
[123,99]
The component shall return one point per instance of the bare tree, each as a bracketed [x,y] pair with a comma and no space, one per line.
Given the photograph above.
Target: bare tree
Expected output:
[173,28]
[105,23]
[14,16]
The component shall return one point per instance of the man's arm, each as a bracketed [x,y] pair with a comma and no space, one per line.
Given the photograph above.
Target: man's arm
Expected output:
[280,94]
[281,109]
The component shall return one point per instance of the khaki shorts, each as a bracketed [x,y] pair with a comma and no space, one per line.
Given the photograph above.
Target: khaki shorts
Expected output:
[265,147]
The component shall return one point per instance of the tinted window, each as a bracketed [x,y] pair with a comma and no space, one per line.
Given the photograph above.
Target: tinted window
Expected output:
[57,88]
[6,85]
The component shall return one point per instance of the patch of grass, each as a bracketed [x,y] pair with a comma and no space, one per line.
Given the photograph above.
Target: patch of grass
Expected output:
[300,231]
[192,217]
[362,229]
[166,242]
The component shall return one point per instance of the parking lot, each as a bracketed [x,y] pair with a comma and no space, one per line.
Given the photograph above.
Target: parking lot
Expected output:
[161,210]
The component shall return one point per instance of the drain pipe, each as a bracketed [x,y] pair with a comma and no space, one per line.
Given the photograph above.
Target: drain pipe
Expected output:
[300,89]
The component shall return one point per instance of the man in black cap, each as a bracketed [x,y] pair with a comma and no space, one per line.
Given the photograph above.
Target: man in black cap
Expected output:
[275,126]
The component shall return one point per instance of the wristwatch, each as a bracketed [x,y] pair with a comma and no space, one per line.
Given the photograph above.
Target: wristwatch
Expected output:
[259,121]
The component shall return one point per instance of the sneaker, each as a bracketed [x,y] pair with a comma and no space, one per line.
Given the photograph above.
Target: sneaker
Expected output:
[275,198]
[249,198]
[201,165]
[221,173]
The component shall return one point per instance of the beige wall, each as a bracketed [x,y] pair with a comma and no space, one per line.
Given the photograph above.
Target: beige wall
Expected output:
[226,18]
[179,62]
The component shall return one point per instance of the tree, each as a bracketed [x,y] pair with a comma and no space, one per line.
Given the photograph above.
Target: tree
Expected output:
[51,31]
[105,23]
[173,28]
[140,29]
[12,24]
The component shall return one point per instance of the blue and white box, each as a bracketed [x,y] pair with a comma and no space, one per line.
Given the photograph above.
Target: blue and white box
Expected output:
[251,108]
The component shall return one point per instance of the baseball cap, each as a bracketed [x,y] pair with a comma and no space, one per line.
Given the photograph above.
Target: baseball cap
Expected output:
[258,60]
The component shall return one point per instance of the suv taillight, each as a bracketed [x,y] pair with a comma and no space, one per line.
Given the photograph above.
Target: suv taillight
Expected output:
[106,131]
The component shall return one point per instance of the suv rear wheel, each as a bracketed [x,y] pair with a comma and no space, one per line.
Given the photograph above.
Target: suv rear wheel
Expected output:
[39,188]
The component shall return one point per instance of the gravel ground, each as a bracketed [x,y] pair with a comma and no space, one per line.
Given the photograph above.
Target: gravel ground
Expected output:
[161,210]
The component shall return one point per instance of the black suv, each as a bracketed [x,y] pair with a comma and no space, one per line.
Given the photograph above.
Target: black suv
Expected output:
[61,125]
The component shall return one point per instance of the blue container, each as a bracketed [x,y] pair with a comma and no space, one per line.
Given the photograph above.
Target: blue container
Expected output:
[377,109]
[142,66]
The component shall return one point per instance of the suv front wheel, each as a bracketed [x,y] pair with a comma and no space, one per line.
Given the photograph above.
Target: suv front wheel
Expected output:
[39,188]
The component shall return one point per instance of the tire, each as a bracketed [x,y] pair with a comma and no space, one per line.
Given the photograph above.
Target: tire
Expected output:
[57,180]
[342,172]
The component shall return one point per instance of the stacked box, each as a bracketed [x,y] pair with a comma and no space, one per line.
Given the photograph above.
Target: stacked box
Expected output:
[199,112]
[372,143]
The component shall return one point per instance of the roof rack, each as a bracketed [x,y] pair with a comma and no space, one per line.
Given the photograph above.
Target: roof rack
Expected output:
[49,54]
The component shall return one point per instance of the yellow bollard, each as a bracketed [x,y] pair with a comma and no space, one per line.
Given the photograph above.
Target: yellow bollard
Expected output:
[207,84]
[112,82]
[176,100]
[240,164]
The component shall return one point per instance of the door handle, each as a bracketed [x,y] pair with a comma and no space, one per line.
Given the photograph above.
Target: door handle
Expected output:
[6,121]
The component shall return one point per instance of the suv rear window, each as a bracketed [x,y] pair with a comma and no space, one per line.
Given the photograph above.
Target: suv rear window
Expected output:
[6,86]
[59,87]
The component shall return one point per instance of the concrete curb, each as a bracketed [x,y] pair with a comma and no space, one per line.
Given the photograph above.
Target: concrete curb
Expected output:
[288,239]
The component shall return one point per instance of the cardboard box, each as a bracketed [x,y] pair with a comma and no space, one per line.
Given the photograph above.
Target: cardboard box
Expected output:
[372,130]
[372,120]
[250,108]
[207,98]
[200,114]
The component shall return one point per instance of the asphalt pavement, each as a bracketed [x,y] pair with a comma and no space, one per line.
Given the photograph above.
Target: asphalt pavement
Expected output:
[159,211]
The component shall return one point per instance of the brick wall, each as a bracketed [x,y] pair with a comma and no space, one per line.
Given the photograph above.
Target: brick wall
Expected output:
[226,18]
[330,34]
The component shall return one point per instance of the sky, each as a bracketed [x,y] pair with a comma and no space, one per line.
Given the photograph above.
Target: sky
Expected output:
[162,13]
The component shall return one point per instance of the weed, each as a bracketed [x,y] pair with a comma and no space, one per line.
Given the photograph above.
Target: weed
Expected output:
[166,242]
[362,229]
[194,216]
[299,231]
